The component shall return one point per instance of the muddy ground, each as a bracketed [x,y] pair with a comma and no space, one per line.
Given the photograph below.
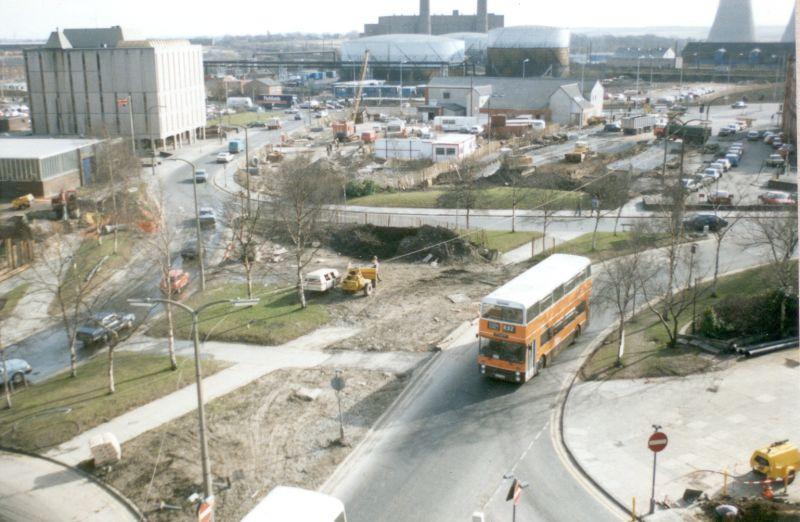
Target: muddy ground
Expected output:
[261,436]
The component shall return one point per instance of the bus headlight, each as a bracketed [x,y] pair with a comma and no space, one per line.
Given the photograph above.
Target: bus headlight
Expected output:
[483,368]
[517,376]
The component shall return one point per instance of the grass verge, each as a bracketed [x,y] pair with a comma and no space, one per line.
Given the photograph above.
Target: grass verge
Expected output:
[12,298]
[607,245]
[503,241]
[490,198]
[646,350]
[87,257]
[54,411]
[276,319]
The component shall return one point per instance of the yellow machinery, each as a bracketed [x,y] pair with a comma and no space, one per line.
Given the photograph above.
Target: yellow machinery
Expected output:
[22,202]
[358,116]
[578,154]
[360,280]
[779,460]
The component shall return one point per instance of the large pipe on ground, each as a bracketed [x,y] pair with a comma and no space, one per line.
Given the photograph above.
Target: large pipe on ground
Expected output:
[425,16]
[483,17]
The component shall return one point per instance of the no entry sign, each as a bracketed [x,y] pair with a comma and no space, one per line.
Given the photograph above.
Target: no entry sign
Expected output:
[657,442]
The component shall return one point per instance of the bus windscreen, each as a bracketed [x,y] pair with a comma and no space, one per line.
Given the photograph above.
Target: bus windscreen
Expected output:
[501,313]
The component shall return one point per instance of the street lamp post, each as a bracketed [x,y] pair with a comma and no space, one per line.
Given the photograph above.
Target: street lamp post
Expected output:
[524,63]
[401,87]
[200,249]
[208,485]
[152,142]
[246,162]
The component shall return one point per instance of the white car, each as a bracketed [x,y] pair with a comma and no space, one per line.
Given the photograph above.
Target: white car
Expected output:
[17,369]
[739,105]
[224,157]
[321,280]
[713,174]
[753,135]
[207,216]
[724,165]
[775,160]
[689,184]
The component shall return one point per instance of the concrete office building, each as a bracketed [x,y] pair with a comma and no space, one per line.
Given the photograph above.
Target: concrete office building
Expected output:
[86,81]
[425,23]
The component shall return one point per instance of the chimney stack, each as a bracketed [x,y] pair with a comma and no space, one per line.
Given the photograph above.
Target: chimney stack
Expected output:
[483,17]
[424,16]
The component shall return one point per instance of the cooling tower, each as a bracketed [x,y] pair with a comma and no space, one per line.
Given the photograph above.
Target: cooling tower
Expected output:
[734,22]
[789,35]
[424,17]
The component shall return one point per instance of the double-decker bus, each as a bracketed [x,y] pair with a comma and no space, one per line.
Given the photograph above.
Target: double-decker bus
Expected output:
[524,322]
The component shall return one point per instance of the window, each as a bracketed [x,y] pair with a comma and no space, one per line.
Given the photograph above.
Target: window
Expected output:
[558,293]
[533,311]
[502,350]
[547,335]
[501,313]
[451,152]
[546,302]
[446,95]
[440,151]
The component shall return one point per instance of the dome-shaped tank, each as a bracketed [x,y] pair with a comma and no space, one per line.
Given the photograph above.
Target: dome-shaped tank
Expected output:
[474,45]
[395,48]
[530,50]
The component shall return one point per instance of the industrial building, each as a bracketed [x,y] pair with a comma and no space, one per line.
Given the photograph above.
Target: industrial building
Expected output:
[554,100]
[733,23]
[95,82]
[44,166]
[528,51]
[425,23]
[659,58]
[736,54]
[422,55]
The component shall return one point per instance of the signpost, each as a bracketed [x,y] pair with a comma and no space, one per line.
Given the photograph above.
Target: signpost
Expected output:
[515,494]
[338,383]
[656,443]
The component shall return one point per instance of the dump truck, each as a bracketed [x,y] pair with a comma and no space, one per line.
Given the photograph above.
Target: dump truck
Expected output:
[22,202]
[344,130]
[360,280]
[68,198]
[779,460]
[578,154]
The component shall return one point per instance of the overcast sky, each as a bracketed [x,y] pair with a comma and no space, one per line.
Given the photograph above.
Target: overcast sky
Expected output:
[163,18]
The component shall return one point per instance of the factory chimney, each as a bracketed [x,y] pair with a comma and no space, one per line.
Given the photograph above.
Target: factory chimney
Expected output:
[424,17]
[482,23]
[734,22]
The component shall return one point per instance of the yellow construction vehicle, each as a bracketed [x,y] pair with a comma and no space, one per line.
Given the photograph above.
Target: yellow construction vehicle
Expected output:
[358,115]
[779,460]
[360,280]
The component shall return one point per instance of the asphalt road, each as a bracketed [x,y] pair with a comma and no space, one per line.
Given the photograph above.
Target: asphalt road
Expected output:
[444,450]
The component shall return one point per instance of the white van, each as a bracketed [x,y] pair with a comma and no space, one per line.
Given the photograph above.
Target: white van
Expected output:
[285,504]
[321,280]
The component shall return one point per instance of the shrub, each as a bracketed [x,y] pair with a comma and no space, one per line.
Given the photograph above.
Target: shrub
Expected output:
[360,188]
[744,316]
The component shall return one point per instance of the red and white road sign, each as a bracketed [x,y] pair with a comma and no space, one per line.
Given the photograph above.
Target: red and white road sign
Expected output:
[657,442]
[517,493]
[205,512]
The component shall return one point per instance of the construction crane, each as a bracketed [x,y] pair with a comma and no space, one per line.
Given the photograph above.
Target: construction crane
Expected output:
[358,117]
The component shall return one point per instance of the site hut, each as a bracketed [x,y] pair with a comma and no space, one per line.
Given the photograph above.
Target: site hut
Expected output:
[554,100]
[439,148]
[44,166]
[84,82]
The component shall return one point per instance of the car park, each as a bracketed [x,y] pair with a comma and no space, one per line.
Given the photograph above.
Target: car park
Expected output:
[207,216]
[104,326]
[224,157]
[200,176]
[699,222]
[775,160]
[17,369]
[720,197]
[776,197]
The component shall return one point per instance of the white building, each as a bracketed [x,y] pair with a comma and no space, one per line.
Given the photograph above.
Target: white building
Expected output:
[85,82]
[439,148]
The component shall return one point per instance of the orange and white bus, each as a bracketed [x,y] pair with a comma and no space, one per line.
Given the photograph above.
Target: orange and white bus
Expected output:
[524,322]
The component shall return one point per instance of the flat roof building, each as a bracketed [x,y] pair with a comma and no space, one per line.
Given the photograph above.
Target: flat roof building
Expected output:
[44,166]
[95,82]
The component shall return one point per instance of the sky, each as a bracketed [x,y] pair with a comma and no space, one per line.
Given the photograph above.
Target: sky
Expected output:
[35,19]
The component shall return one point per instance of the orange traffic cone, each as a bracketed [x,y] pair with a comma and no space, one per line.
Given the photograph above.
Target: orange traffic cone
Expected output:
[768,493]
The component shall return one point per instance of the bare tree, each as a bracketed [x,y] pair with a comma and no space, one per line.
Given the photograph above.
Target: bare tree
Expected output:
[611,191]
[245,224]
[57,273]
[118,170]
[300,190]
[162,242]
[777,235]
[720,233]
[621,279]
[465,192]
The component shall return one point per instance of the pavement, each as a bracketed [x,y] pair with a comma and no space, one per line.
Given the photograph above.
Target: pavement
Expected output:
[714,422]
[249,364]
[35,489]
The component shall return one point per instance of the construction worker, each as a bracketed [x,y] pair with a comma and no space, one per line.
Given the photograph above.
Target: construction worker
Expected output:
[767,493]
[377,268]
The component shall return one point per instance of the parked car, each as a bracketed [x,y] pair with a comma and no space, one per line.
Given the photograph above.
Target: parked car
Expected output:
[712,174]
[777,143]
[613,126]
[17,369]
[739,105]
[321,280]
[775,197]
[189,250]
[200,176]
[736,150]
[733,158]
[101,327]
[256,124]
[298,117]
[768,137]
[775,160]
[718,166]
[176,281]
[698,223]
[753,135]
[224,157]
[291,110]
[720,197]
[725,132]
[725,162]
[690,185]
[207,216]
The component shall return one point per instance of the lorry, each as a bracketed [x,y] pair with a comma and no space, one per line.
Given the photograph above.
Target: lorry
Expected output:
[274,124]
[638,124]
[694,134]
[239,102]
[235,146]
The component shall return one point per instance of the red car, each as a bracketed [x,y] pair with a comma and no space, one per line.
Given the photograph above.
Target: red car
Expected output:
[177,282]
[776,198]
[720,197]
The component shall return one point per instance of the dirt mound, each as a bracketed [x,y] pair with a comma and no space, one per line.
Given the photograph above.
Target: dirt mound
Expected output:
[365,241]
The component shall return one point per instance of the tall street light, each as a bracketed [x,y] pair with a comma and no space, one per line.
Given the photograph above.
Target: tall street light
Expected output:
[208,485]
[152,142]
[525,63]
[200,249]
[401,87]
[246,162]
